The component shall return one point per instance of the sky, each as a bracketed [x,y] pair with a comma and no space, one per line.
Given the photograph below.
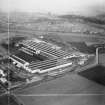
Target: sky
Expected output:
[86,7]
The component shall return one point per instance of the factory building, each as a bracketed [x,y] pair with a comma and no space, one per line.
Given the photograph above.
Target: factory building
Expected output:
[38,56]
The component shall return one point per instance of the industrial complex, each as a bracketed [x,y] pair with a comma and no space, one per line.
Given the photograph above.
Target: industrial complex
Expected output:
[38,57]
[50,59]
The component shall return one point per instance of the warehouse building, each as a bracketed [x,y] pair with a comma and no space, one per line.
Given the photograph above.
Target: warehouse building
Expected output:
[38,56]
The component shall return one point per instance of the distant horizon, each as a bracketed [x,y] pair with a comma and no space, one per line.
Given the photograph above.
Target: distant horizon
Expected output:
[49,13]
[58,7]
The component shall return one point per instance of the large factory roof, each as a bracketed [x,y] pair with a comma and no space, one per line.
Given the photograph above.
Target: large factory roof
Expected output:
[44,47]
[48,64]
[35,50]
[27,57]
